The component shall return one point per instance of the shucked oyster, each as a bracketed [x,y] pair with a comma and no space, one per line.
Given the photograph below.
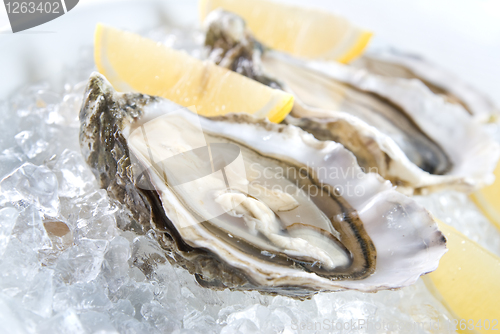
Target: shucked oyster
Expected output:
[395,64]
[251,205]
[397,127]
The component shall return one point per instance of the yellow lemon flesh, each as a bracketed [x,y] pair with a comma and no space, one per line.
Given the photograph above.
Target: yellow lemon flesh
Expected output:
[488,199]
[303,32]
[133,63]
[468,281]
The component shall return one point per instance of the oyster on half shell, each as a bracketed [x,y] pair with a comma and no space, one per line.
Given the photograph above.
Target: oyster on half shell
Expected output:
[250,205]
[395,126]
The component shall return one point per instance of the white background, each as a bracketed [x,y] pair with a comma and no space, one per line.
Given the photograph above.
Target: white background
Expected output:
[460,35]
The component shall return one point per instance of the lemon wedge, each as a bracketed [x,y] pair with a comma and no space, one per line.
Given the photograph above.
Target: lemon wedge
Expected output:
[488,199]
[133,63]
[467,281]
[303,32]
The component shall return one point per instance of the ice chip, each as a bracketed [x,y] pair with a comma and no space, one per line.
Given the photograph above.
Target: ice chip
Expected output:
[13,319]
[98,227]
[155,314]
[115,266]
[45,97]
[73,175]
[30,231]
[30,144]
[10,159]
[64,322]
[124,306]
[96,322]
[241,326]
[8,217]
[82,262]
[139,294]
[31,184]
[19,266]
[199,322]
[127,324]
[95,218]
[38,298]
[70,107]
[82,297]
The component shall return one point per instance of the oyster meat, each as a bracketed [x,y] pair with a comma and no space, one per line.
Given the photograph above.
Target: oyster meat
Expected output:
[394,126]
[250,205]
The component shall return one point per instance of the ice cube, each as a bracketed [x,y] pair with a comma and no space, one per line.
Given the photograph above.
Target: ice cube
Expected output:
[38,298]
[240,326]
[70,106]
[199,321]
[82,262]
[30,231]
[95,218]
[98,227]
[115,266]
[82,297]
[127,324]
[139,294]
[30,144]
[158,316]
[124,306]
[14,318]
[19,266]
[8,217]
[64,322]
[74,176]
[31,184]
[96,322]
[10,159]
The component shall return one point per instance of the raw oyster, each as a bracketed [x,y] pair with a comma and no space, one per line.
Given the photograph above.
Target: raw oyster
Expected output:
[250,205]
[395,126]
[391,63]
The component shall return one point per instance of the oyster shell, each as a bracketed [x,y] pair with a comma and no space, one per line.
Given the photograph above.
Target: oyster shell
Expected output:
[391,63]
[260,229]
[396,127]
